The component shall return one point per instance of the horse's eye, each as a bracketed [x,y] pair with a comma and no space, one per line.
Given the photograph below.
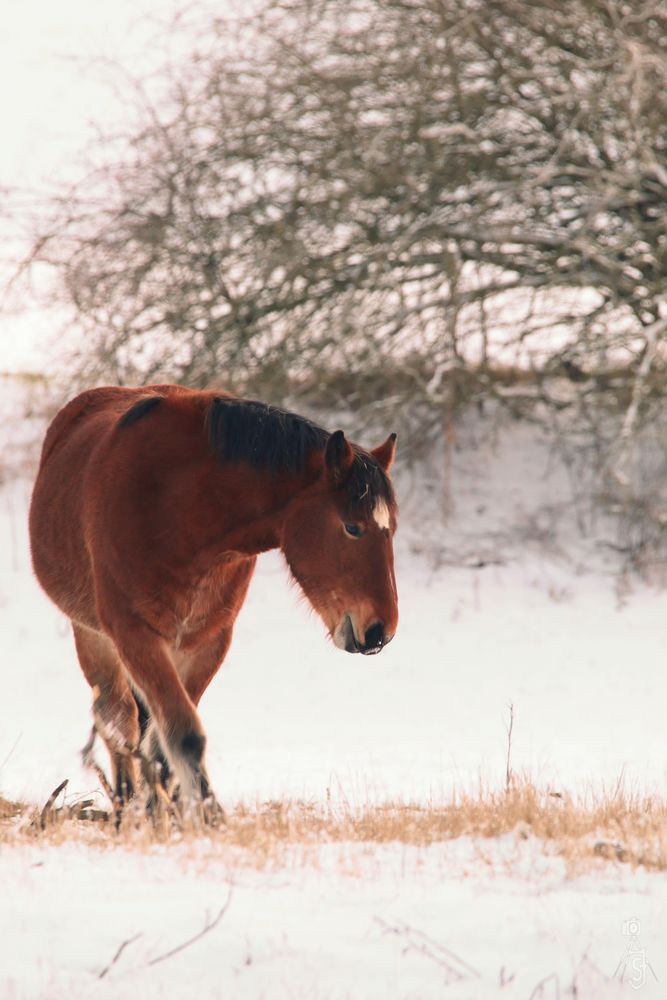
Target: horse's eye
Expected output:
[354,530]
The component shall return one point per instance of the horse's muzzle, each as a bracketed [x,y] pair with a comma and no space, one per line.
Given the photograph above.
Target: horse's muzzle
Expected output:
[374,639]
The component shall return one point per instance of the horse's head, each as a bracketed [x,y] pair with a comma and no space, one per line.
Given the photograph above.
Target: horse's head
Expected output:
[337,540]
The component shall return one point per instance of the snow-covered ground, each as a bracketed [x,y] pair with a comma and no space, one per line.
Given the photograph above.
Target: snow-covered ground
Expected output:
[460,921]
[289,716]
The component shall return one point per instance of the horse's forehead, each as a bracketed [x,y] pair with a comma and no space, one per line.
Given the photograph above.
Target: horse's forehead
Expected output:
[381,513]
[366,500]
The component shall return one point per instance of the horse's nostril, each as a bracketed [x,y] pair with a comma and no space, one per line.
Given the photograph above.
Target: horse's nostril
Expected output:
[374,637]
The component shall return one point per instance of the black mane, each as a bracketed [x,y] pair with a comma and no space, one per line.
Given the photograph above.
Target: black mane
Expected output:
[139,410]
[268,437]
[263,436]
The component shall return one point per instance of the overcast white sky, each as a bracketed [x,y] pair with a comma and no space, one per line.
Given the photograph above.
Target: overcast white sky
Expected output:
[50,94]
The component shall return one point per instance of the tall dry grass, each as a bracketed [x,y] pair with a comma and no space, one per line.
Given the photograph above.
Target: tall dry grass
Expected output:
[617,825]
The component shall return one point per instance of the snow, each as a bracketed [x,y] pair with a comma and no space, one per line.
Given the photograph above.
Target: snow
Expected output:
[458,920]
[548,631]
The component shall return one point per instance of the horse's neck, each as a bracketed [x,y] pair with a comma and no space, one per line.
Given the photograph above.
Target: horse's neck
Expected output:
[257,527]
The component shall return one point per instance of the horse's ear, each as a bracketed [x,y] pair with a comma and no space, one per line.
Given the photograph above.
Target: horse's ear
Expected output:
[384,453]
[338,458]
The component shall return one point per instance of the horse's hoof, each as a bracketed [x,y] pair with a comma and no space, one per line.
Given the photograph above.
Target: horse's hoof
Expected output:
[212,812]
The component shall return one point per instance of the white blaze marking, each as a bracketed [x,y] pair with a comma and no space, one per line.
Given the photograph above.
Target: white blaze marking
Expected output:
[381,514]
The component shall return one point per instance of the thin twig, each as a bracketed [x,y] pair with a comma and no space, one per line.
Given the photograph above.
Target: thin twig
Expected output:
[537,991]
[209,926]
[652,335]
[508,767]
[16,743]
[119,952]
[417,941]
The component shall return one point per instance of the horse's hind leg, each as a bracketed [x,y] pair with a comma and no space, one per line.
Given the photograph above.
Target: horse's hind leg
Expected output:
[114,708]
[154,764]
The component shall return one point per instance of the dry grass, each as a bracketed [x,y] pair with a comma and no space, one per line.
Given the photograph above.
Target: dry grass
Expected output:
[8,810]
[618,826]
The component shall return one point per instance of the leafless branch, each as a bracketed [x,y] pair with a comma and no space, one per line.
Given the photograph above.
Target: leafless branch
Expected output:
[456,968]
[538,989]
[208,927]
[121,948]
[651,335]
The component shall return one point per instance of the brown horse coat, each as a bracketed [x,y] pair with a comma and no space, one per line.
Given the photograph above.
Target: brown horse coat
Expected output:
[149,510]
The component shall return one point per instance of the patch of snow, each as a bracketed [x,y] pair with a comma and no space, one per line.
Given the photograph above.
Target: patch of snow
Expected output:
[460,920]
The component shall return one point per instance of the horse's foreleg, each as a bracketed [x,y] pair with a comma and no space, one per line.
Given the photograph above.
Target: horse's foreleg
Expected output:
[197,666]
[180,731]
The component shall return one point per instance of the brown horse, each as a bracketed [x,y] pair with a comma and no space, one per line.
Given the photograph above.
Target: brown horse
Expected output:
[148,513]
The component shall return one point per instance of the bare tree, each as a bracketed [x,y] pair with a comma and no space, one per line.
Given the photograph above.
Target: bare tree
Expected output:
[400,200]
